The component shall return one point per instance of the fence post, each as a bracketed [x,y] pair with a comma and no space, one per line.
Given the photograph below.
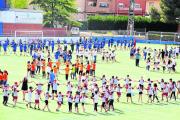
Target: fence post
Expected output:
[160,37]
[11,32]
[91,34]
[175,37]
[54,32]
[102,33]
[113,33]
[147,37]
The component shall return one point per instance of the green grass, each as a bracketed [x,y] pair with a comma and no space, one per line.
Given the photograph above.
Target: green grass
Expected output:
[16,67]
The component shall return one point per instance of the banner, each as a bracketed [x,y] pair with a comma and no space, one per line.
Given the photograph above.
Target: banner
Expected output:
[29,17]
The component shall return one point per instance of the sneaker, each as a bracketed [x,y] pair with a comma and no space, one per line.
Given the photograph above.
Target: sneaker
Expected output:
[5,105]
[30,107]
[52,98]
[157,101]
[42,109]
[106,111]
[132,101]
[100,111]
[147,101]
[39,109]
[57,110]
[167,101]
[26,105]
[49,110]
[141,101]
[34,108]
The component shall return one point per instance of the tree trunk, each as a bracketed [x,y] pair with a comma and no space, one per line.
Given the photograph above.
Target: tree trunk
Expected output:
[52,21]
[51,26]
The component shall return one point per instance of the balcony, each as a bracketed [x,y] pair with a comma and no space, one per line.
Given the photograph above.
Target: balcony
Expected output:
[127,9]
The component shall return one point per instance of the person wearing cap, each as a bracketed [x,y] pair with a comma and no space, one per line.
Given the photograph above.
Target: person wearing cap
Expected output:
[54,89]
[15,95]
[5,76]
[60,100]
[37,93]
[1,80]
[30,96]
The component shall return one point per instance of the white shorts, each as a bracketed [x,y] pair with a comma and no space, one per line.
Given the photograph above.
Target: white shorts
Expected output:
[29,98]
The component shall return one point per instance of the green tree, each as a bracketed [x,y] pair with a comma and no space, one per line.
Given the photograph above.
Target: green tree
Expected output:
[154,13]
[61,11]
[21,4]
[170,10]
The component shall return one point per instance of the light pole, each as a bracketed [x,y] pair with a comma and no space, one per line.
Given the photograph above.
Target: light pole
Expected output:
[117,6]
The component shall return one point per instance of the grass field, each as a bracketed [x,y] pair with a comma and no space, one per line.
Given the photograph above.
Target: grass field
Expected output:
[16,67]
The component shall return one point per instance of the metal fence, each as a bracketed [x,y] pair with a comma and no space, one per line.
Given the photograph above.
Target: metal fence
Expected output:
[163,36]
[151,35]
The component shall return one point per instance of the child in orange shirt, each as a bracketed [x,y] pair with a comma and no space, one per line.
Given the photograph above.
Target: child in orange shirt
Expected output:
[5,75]
[67,63]
[66,72]
[55,69]
[58,65]
[32,69]
[43,62]
[44,72]
[81,69]
[28,68]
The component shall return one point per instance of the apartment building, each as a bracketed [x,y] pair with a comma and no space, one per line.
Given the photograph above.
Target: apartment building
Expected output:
[152,2]
[93,8]
[122,7]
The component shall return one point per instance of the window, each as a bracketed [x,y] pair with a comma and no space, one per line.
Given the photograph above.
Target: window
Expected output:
[79,9]
[121,5]
[136,6]
[92,4]
[151,3]
[103,4]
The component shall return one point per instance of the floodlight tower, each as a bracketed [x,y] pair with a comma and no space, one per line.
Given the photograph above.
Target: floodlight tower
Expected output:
[130,26]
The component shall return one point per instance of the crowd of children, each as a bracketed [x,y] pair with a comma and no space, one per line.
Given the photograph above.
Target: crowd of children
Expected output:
[77,93]
[86,50]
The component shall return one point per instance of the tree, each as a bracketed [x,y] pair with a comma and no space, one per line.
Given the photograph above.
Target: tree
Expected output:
[154,13]
[21,4]
[170,10]
[60,11]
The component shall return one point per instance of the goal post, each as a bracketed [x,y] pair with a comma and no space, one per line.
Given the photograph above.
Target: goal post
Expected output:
[28,34]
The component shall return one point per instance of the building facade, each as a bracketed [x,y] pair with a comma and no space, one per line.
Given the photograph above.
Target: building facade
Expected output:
[93,8]
[122,7]
[152,2]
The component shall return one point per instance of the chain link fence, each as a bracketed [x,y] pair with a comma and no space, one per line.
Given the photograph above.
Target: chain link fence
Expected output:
[140,35]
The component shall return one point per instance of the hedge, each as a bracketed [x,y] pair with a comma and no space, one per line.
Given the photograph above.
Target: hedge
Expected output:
[120,22]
